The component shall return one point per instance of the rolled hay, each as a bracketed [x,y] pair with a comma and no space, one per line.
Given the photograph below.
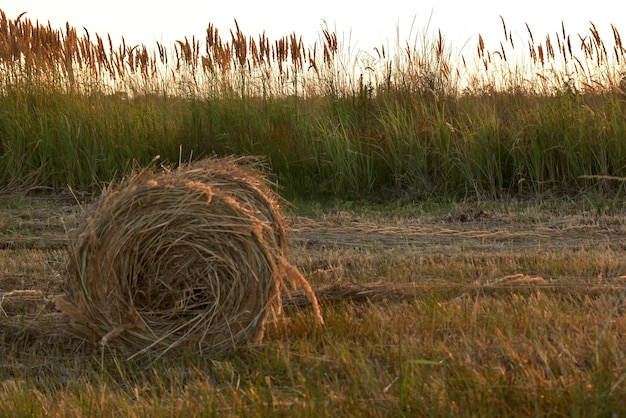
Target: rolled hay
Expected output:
[192,257]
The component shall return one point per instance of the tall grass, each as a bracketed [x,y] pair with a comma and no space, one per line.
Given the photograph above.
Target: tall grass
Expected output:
[414,122]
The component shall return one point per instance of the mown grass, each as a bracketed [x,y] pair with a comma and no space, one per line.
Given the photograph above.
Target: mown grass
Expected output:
[522,314]
[507,354]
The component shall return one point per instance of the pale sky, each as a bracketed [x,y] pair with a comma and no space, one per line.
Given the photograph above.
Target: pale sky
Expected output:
[367,25]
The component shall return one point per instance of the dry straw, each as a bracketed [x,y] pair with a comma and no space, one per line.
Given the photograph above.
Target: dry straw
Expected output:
[193,257]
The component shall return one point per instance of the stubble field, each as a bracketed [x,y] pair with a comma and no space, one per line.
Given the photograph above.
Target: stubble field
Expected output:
[472,308]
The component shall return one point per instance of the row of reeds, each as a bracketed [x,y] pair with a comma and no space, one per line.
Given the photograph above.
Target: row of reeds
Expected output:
[254,66]
[409,121]
[559,61]
[247,65]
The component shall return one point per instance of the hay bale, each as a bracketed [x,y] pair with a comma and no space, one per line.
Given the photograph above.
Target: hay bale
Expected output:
[241,178]
[193,257]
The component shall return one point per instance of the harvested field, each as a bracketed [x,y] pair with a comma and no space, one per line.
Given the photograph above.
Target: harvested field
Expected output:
[463,305]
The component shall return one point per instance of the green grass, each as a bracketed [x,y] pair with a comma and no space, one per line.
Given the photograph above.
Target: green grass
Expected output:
[414,123]
[470,146]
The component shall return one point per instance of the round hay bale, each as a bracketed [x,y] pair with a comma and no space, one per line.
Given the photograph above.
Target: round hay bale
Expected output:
[192,257]
[240,177]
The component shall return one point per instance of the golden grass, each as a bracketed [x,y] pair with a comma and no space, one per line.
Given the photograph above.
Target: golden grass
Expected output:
[258,66]
[38,52]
